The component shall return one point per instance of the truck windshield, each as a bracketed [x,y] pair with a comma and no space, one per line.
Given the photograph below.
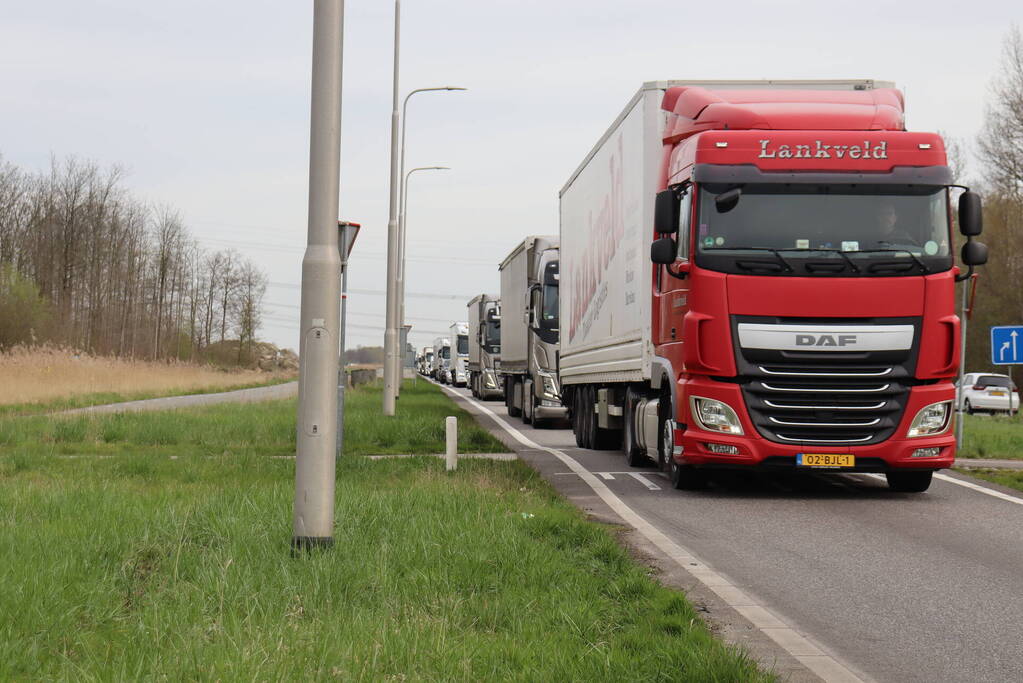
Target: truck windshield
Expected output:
[825,230]
[445,352]
[492,334]
[463,345]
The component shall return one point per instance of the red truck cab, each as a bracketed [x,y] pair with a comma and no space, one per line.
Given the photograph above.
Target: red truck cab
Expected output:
[803,284]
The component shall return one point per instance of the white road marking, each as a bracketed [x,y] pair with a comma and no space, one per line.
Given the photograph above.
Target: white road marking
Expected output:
[970,485]
[643,480]
[982,489]
[607,475]
[817,661]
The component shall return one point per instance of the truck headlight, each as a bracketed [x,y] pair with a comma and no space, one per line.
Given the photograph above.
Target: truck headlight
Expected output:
[714,416]
[550,385]
[931,420]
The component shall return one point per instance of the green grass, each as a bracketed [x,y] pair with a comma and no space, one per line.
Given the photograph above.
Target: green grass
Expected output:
[418,425]
[250,428]
[1011,478]
[101,398]
[138,566]
[993,436]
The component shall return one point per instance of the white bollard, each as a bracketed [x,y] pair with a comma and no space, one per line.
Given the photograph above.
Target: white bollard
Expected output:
[451,431]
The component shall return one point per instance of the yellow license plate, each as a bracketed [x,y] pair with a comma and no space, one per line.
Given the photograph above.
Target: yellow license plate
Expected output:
[825,460]
[998,393]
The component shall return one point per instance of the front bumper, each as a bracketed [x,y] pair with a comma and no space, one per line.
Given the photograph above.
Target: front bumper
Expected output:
[755,451]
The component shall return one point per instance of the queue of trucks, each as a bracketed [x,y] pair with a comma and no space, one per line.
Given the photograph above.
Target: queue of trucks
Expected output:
[747,275]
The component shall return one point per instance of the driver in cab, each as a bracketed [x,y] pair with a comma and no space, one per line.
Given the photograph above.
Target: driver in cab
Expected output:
[891,232]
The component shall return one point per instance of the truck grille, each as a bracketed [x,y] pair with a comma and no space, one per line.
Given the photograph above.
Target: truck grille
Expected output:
[826,398]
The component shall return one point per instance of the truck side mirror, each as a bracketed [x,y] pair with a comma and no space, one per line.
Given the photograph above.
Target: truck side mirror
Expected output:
[974,253]
[663,250]
[666,213]
[971,214]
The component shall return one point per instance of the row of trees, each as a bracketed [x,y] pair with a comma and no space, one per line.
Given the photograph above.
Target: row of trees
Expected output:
[85,264]
[999,150]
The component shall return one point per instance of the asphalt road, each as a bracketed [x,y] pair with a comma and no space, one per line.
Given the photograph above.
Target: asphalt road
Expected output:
[897,587]
[253,395]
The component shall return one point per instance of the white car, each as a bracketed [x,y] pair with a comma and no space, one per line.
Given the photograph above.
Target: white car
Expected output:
[984,391]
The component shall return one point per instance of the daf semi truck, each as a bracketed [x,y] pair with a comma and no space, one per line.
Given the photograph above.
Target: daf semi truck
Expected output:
[530,330]
[760,274]
[484,314]
[459,334]
[441,359]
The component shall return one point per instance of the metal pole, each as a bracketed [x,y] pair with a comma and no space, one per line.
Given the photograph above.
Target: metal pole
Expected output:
[962,368]
[391,369]
[401,214]
[313,524]
[345,239]
[401,232]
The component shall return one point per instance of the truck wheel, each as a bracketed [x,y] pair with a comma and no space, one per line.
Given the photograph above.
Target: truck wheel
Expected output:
[577,421]
[635,455]
[527,402]
[909,482]
[686,477]
[600,439]
[513,384]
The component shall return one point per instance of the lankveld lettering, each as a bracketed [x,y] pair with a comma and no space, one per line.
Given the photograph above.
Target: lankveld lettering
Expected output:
[821,151]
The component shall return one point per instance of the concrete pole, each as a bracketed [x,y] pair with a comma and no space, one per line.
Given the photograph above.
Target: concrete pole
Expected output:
[392,370]
[451,443]
[313,524]
[960,442]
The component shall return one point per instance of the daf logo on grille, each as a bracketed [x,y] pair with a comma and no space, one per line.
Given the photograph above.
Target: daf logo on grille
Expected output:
[825,340]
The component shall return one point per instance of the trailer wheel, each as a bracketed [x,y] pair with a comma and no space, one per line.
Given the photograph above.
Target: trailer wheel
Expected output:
[909,482]
[634,454]
[599,439]
[577,422]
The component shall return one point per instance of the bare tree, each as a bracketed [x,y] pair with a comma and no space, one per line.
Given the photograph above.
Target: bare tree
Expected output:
[1001,140]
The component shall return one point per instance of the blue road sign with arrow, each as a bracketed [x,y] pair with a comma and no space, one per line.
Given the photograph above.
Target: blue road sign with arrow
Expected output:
[1007,345]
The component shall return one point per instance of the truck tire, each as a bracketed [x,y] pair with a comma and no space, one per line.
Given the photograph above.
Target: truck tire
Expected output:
[909,482]
[527,402]
[599,439]
[513,384]
[635,454]
[576,418]
[686,477]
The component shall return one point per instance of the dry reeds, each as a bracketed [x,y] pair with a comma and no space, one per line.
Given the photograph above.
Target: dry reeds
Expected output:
[40,375]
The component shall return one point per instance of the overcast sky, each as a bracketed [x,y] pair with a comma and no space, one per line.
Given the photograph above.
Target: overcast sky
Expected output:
[206,104]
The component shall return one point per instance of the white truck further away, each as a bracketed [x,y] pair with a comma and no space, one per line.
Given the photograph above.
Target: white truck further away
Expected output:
[485,346]
[529,331]
[426,361]
[459,336]
[441,359]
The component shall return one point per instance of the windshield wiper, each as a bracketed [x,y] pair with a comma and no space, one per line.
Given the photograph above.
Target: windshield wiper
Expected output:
[907,252]
[827,250]
[777,255]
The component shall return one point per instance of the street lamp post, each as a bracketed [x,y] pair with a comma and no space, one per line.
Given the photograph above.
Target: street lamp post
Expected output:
[401,231]
[391,372]
[313,512]
[394,387]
